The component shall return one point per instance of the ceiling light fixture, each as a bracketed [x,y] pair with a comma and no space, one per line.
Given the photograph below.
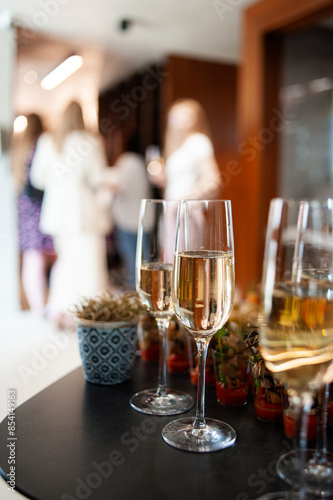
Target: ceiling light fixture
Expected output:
[61,72]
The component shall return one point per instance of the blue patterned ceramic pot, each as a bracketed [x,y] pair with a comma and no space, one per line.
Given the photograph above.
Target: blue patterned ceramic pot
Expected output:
[107,350]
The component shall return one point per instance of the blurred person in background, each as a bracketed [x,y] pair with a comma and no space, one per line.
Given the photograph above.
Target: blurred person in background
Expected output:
[128,180]
[191,171]
[69,165]
[34,245]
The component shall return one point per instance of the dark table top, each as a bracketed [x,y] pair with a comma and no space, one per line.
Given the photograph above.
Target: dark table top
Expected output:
[77,440]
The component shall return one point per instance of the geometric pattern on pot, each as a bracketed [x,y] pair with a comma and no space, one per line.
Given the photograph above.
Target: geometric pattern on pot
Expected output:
[107,354]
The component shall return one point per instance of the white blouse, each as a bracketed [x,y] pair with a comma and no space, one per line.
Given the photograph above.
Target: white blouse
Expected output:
[187,177]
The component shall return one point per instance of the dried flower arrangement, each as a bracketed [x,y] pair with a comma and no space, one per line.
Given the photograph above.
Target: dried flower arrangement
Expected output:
[108,307]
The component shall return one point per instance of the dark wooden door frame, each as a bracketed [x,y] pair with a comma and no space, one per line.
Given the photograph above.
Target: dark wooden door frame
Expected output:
[259,120]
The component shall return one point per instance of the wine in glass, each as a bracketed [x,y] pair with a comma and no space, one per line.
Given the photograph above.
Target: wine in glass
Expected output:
[296,332]
[154,269]
[203,293]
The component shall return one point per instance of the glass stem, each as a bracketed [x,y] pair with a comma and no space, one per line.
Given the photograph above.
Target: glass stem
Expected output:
[321,441]
[303,407]
[202,347]
[162,324]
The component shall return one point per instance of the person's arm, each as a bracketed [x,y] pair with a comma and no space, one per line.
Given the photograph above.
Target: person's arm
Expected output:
[111,178]
[159,180]
[17,169]
[40,164]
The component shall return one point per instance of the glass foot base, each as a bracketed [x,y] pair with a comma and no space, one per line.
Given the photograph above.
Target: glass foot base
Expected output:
[318,472]
[215,436]
[171,403]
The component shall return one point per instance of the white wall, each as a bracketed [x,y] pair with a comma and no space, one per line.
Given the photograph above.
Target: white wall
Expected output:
[7,63]
[9,290]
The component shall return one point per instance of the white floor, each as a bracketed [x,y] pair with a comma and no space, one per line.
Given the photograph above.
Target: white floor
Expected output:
[33,355]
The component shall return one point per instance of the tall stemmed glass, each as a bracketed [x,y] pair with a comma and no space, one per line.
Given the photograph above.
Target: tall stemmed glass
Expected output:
[154,256]
[203,293]
[318,462]
[318,469]
[296,332]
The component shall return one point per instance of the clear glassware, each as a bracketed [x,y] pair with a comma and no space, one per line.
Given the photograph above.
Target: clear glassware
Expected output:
[156,235]
[318,468]
[203,294]
[296,314]
[319,465]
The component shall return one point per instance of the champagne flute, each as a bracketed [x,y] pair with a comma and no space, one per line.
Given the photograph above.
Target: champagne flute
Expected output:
[296,331]
[319,462]
[203,293]
[156,234]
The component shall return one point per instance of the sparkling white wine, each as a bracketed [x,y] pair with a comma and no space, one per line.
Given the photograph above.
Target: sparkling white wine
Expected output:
[154,288]
[204,290]
[296,335]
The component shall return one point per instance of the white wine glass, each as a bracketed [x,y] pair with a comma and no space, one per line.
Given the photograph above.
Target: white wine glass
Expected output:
[154,264]
[296,317]
[318,469]
[203,294]
[318,462]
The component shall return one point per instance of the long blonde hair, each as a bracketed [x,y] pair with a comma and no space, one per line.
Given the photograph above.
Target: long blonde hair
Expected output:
[22,145]
[173,139]
[71,120]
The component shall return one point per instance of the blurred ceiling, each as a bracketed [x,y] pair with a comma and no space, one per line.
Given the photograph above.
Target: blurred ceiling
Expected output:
[51,30]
